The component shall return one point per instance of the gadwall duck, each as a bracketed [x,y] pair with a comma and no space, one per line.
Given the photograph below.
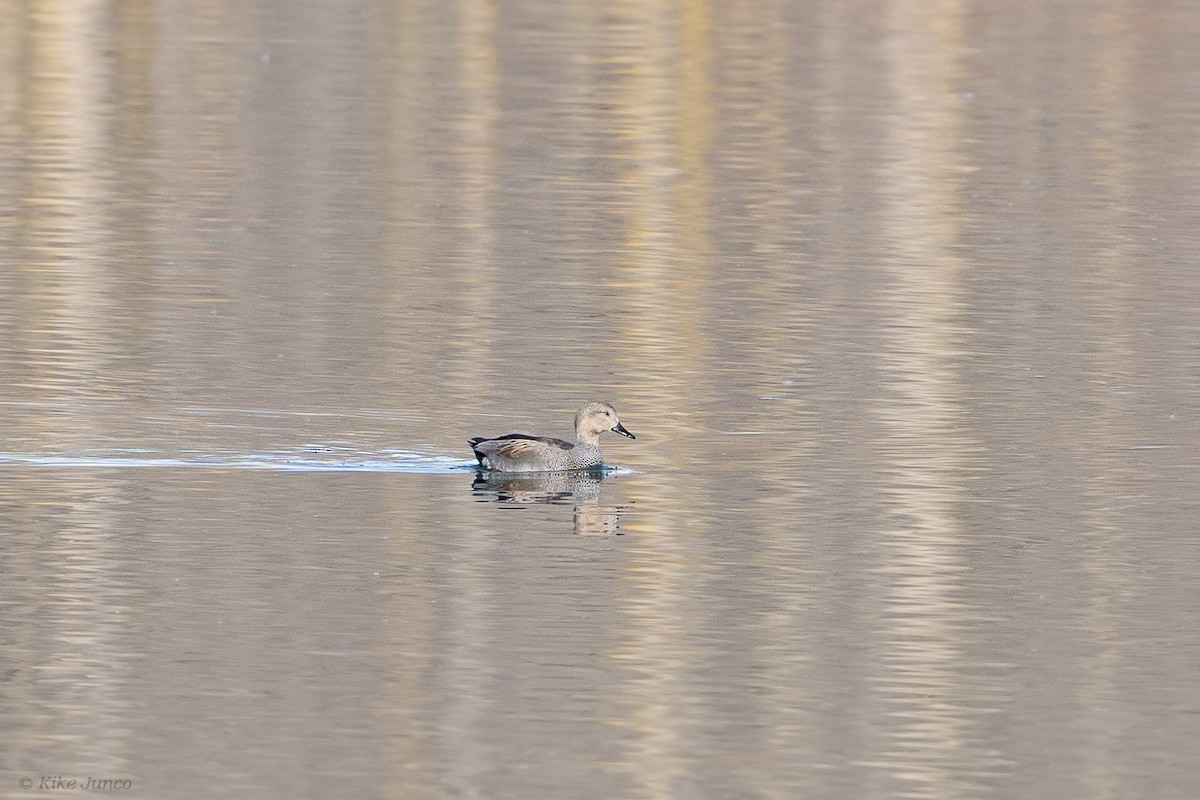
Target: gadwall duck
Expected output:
[519,452]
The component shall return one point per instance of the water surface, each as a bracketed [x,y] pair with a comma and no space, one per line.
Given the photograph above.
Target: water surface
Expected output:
[899,299]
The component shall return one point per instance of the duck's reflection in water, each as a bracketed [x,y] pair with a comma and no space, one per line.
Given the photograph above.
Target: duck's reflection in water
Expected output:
[580,489]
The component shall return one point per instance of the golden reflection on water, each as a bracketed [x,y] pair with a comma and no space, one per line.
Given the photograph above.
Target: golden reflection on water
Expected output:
[663,271]
[923,651]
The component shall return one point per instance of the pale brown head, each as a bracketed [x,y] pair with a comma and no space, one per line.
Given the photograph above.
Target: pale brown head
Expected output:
[594,419]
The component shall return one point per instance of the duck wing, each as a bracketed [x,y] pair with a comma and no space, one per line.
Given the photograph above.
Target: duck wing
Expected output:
[514,445]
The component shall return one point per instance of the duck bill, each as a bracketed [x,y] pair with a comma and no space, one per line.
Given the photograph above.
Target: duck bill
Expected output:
[619,428]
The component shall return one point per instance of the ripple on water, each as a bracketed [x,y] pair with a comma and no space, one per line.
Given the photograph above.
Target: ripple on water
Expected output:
[312,459]
[306,460]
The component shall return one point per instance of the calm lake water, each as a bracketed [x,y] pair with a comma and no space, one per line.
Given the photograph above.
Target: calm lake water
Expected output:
[901,300]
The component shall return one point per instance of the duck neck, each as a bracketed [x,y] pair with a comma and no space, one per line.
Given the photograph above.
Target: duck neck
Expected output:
[587,438]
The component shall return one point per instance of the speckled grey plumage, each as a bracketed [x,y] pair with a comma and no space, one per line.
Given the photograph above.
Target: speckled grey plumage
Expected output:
[519,452]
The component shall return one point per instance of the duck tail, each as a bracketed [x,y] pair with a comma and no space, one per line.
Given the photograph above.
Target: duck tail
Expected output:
[478,455]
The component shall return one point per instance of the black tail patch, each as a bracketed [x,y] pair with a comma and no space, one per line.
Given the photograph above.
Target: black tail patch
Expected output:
[478,455]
